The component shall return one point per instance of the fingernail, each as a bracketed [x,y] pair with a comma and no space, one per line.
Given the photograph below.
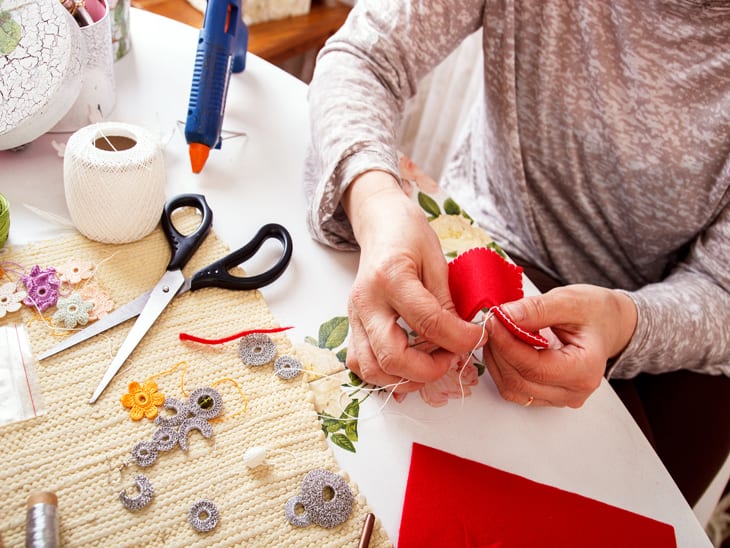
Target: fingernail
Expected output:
[515,310]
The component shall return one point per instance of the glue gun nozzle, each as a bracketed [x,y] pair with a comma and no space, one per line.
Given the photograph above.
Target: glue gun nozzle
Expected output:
[198,156]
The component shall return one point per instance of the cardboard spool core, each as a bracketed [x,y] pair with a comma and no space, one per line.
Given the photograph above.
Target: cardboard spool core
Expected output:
[114,143]
[42,497]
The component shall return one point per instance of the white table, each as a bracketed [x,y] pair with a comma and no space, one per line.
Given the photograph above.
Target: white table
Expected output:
[596,451]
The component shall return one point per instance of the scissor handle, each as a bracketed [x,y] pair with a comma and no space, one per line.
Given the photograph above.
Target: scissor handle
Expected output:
[217,274]
[183,246]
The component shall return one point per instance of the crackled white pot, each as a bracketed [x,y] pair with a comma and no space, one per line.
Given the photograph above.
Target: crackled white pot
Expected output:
[41,68]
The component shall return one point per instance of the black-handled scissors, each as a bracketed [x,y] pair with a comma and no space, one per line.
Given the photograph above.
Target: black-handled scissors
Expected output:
[150,305]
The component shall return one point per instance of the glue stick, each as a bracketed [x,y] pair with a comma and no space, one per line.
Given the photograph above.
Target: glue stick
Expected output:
[41,520]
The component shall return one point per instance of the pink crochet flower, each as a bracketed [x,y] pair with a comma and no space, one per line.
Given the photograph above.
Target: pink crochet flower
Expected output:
[42,286]
[103,303]
[73,271]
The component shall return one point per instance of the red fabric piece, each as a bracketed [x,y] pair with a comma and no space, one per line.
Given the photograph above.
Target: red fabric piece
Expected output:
[481,278]
[535,339]
[455,502]
[194,338]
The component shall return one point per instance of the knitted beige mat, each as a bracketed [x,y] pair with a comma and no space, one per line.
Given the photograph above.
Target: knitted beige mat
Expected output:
[78,450]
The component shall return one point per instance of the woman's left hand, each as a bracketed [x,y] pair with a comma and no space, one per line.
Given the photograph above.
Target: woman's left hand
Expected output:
[592,323]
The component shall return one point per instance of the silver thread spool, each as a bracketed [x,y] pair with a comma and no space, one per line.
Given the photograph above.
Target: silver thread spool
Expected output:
[41,521]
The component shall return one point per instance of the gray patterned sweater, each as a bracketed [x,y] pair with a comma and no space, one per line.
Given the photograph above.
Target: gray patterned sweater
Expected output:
[600,151]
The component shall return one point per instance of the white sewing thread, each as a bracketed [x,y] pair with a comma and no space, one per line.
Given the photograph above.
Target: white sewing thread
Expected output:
[114,196]
[537,340]
[388,389]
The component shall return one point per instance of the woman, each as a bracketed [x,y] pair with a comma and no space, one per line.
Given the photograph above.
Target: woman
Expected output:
[598,157]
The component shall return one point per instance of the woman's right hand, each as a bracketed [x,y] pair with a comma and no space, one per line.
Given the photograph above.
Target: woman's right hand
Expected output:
[402,273]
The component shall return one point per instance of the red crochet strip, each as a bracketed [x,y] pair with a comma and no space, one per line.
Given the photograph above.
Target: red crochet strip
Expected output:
[535,339]
[187,337]
[481,278]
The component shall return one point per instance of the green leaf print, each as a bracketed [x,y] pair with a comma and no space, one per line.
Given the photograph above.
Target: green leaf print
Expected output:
[351,431]
[333,333]
[429,205]
[340,440]
[354,379]
[451,207]
[10,33]
[352,411]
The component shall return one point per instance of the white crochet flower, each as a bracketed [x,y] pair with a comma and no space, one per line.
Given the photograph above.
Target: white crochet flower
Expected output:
[10,298]
[72,311]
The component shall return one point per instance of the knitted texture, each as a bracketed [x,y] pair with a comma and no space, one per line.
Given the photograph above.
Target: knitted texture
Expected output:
[76,449]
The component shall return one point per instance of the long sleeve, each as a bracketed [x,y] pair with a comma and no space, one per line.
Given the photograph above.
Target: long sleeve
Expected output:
[684,320]
[599,151]
[363,77]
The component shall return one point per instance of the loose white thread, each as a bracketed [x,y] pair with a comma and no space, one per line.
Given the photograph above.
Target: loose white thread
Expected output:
[389,388]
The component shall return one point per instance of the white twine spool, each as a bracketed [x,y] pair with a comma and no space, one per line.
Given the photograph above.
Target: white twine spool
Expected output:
[114,178]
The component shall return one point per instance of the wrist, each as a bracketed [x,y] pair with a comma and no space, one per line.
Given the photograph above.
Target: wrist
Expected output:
[626,319]
[362,190]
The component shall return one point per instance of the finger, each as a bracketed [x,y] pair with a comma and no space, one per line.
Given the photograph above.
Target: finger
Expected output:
[563,306]
[361,361]
[389,343]
[435,321]
[422,299]
[562,377]
[513,387]
[554,367]
[395,356]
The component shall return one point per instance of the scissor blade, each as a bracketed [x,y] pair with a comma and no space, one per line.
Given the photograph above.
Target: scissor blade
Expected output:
[120,315]
[160,297]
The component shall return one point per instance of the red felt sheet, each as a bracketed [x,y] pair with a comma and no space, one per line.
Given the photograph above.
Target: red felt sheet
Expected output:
[454,502]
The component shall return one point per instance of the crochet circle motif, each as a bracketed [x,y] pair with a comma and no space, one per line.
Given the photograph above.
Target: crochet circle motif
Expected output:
[144,453]
[327,498]
[296,513]
[146,494]
[205,402]
[256,349]
[203,516]
[193,423]
[287,367]
[181,413]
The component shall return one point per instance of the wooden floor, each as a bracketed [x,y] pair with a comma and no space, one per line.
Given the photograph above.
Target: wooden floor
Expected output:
[275,41]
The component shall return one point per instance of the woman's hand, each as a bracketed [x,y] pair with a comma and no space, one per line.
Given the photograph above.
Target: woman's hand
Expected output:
[402,273]
[593,325]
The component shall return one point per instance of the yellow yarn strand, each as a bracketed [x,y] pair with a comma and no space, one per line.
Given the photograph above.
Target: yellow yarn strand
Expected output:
[244,399]
[174,368]
[235,384]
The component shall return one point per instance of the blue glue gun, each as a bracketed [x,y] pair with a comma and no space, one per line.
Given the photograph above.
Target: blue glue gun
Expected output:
[222,46]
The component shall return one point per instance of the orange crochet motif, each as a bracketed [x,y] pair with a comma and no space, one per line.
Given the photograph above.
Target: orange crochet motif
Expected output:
[142,400]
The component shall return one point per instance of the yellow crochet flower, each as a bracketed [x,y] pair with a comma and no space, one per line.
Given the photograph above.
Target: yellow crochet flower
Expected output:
[143,400]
